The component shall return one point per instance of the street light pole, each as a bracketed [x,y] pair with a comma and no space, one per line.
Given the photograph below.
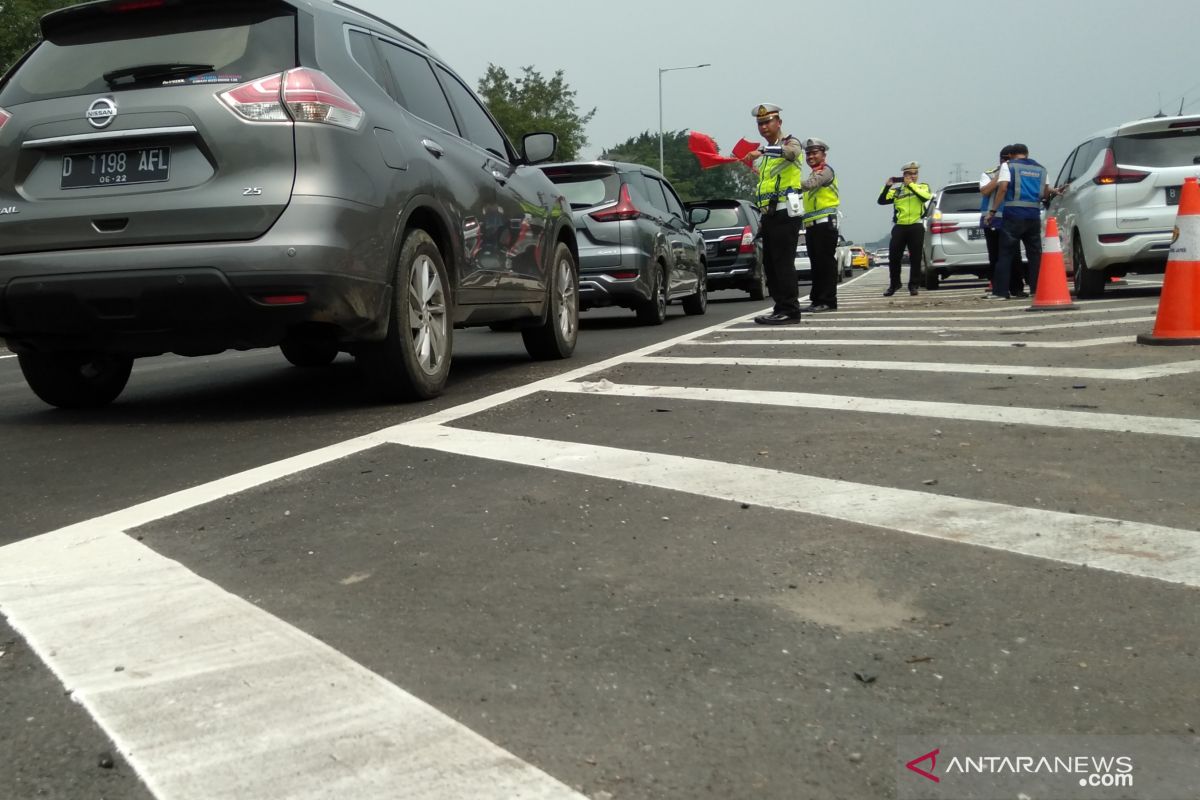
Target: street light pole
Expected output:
[661,70]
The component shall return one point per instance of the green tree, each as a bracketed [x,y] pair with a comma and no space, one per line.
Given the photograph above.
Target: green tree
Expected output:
[532,103]
[682,168]
[19,26]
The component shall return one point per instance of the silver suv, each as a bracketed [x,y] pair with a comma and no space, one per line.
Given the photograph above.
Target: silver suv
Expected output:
[954,240]
[191,176]
[1117,215]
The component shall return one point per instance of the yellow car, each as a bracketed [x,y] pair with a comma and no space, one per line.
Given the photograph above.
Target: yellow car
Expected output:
[858,257]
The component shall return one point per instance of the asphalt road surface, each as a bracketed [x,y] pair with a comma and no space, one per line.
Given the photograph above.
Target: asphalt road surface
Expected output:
[706,560]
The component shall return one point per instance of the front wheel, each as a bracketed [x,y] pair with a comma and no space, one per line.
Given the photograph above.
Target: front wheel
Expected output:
[758,289]
[696,304]
[412,362]
[555,338]
[76,380]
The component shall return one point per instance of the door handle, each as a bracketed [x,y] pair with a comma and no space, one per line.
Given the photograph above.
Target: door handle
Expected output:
[433,147]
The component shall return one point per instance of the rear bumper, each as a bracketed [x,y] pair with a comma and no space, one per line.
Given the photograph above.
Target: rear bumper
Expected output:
[725,271]
[203,298]
[598,288]
[1142,252]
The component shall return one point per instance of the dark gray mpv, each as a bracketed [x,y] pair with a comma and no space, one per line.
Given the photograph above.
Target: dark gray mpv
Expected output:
[190,177]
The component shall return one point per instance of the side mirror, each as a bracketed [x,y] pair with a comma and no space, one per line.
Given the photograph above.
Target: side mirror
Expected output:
[539,147]
[697,216]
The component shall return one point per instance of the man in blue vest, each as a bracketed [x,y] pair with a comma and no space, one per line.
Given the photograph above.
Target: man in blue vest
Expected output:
[1021,187]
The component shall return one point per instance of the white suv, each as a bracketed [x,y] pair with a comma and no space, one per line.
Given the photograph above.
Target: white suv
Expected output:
[1118,214]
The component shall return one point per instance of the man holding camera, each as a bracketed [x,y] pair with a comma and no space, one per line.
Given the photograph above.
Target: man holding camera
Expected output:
[908,227]
[778,198]
[821,201]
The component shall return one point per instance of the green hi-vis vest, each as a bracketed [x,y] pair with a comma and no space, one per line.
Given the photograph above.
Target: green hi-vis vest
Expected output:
[910,207]
[822,202]
[777,177]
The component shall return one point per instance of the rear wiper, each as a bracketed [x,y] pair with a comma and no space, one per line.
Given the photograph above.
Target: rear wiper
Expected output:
[149,72]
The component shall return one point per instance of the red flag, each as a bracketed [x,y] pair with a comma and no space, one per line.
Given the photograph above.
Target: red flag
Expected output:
[743,148]
[705,148]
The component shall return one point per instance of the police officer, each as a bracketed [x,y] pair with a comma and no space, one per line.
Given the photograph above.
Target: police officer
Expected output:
[778,198]
[908,228]
[1021,187]
[821,201]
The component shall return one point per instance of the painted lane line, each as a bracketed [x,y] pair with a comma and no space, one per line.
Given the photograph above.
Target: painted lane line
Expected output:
[934,316]
[953,328]
[1116,374]
[911,343]
[1132,548]
[218,698]
[1001,415]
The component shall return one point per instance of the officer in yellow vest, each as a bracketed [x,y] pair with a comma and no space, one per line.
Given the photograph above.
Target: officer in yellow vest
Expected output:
[908,230]
[778,198]
[821,201]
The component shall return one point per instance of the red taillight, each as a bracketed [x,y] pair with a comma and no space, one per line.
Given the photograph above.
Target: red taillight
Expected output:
[624,276]
[4,117]
[943,227]
[1110,173]
[284,299]
[312,97]
[303,95]
[1114,238]
[623,210]
[747,245]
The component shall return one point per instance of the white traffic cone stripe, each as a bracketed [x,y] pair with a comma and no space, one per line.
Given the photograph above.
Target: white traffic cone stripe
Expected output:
[1186,246]
[1051,244]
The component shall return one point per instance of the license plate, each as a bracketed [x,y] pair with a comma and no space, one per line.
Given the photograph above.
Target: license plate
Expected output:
[1173,195]
[974,233]
[116,168]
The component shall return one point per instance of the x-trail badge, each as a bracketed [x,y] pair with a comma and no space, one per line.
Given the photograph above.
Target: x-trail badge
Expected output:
[101,112]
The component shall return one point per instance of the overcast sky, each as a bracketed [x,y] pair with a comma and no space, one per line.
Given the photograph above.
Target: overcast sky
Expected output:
[946,84]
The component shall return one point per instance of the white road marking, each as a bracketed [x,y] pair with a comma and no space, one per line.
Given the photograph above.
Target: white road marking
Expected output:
[1116,374]
[919,343]
[940,316]
[218,698]
[777,330]
[1133,548]
[1001,415]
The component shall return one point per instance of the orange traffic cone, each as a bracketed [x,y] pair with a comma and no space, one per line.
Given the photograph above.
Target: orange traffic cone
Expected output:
[1178,320]
[1052,293]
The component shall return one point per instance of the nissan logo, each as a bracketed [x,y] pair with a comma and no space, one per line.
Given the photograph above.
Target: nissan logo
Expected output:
[101,112]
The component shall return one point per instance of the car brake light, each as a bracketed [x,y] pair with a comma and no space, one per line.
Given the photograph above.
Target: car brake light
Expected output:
[1194,123]
[747,245]
[303,95]
[1114,238]
[623,210]
[943,227]
[257,101]
[4,117]
[311,96]
[624,276]
[284,299]
[1110,173]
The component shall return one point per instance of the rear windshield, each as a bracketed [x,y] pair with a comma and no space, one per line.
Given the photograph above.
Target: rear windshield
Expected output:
[587,189]
[959,201]
[216,42]
[1163,149]
[722,217]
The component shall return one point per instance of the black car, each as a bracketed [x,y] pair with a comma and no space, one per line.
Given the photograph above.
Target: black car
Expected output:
[638,247]
[732,246]
[192,176]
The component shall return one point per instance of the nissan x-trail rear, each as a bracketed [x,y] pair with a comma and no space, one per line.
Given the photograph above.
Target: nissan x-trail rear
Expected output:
[190,177]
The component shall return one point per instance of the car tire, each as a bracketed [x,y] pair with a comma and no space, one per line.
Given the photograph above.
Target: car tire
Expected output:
[758,289]
[932,278]
[696,304]
[556,337]
[310,352]
[1088,282]
[76,380]
[412,362]
[654,310]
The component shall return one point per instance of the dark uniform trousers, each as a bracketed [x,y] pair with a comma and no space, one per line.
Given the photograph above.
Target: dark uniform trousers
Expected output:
[780,233]
[821,239]
[911,238]
[1016,283]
